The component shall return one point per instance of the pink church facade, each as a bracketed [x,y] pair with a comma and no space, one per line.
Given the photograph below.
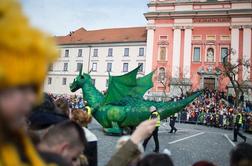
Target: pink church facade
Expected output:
[186,42]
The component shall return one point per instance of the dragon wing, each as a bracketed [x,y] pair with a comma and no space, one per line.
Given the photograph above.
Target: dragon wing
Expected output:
[121,86]
[143,85]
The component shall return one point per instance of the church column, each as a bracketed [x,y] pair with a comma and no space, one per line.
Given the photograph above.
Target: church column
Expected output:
[235,43]
[176,52]
[246,50]
[149,48]
[187,52]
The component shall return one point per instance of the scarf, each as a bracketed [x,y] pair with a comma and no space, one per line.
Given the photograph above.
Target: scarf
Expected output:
[9,155]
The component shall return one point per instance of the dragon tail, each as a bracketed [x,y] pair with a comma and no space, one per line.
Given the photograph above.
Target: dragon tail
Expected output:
[168,109]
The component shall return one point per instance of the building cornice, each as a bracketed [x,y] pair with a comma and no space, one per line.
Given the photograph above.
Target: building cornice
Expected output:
[235,27]
[240,26]
[157,4]
[118,44]
[199,13]
[181,26]
[150,27]
[247,26]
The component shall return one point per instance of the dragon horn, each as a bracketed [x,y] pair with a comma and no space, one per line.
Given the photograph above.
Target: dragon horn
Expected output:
[80,72]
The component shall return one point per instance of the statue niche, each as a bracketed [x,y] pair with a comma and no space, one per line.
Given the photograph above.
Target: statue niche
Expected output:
[210,55]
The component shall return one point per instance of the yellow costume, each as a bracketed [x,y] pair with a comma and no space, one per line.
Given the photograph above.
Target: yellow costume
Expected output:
[10,156]
[89,111]
[25,54]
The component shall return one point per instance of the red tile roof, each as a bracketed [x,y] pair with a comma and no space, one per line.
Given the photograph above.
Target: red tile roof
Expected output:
[114,35]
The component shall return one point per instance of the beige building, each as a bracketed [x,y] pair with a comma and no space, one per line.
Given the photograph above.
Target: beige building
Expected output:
[115,51]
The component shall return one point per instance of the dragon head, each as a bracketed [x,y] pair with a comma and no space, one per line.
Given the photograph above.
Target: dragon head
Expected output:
[79,81]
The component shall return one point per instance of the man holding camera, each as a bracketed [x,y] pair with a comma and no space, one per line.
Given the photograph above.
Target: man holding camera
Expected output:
[154,115]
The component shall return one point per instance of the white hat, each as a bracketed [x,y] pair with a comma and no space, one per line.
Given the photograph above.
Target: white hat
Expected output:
[153,108]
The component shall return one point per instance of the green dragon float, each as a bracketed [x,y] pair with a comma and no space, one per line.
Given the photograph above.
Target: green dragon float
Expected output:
[123,106]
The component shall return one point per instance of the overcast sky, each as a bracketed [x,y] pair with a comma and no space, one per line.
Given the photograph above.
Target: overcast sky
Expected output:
[59,17]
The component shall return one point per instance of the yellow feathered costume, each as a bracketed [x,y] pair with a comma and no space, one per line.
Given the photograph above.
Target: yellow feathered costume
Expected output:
[25,54]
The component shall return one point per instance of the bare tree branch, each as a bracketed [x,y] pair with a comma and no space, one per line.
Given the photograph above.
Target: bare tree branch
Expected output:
[231,71]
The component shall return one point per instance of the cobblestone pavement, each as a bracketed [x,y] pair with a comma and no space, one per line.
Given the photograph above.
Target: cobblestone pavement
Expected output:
[190,144]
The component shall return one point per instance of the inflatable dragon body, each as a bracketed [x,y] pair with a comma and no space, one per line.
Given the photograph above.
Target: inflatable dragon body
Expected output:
[123,106]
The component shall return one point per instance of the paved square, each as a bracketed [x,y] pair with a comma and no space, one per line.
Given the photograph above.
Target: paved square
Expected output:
[190,144]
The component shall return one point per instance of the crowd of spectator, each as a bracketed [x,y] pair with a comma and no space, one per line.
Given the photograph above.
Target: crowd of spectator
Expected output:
[74,101]
[212,109]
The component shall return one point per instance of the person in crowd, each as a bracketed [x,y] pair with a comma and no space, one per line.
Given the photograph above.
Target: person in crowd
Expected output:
[42,117]
[82,118]
[25,54]
[172,123]
[80,103]
[122,141]
[154,115]
[241,155]
[130,151]
[88,110]
[66,139]
[156,159]
[63,106]
[237,126]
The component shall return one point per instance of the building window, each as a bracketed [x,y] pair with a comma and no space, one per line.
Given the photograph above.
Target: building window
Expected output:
[50,68]
[49,80]
[66,53]
[161,74]
[224,54]
[110,52]
[196,54]
[109,67]
[95,53]
[94,66]
[126,51]
[93,81]
[79,65]
[125,67]
[141,51]
[80,53]
[163,37]
[225,37]
[210,55]
[211,37]
[65,67]
[162,54]
[64,80]
[196,37]
[141,68]
[107,82]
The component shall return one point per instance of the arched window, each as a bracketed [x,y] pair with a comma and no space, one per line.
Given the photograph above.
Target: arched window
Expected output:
[161,74]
